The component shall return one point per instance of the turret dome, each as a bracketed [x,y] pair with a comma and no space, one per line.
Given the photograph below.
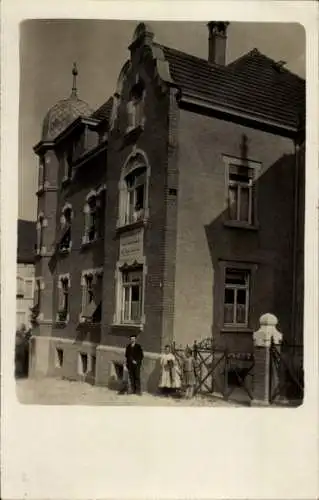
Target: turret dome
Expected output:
[64,112]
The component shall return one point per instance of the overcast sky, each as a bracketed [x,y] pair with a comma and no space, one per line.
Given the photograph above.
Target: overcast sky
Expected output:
[48,49]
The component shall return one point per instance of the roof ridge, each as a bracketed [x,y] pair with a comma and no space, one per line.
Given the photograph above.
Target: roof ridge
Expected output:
[256,52]
[184,53]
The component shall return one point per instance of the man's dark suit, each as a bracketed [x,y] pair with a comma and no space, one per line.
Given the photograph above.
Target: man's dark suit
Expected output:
[134,357]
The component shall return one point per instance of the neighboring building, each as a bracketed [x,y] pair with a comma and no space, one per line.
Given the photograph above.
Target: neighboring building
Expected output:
[25,271]
[173,211]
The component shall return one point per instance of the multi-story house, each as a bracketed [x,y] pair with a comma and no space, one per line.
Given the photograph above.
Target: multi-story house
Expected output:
[174,211]
[25,271]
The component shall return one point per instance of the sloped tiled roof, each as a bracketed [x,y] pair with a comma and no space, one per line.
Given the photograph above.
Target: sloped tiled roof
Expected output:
[104,111]
[26,241]
[253,84]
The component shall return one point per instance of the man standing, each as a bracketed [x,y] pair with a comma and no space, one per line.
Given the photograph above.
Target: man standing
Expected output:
[134,357]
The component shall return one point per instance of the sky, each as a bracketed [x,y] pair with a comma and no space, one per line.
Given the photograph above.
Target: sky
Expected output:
[48,49]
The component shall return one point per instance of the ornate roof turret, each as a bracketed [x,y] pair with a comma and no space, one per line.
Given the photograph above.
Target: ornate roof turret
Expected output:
[64,112]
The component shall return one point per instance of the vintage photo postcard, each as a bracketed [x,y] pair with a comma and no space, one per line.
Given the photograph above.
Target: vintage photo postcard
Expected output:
[164,259]
[161,229]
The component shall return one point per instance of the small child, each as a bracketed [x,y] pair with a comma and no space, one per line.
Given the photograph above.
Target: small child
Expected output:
[189,373]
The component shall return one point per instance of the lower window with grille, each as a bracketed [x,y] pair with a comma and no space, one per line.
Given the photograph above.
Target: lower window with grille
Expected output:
[236,297]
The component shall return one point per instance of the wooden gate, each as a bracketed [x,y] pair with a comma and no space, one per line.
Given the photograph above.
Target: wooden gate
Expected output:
[220,371]
[286,379]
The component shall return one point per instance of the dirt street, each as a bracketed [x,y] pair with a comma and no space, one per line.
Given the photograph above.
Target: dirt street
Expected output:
[63,392]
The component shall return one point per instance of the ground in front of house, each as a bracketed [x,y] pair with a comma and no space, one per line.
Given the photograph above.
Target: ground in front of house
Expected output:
[63,392]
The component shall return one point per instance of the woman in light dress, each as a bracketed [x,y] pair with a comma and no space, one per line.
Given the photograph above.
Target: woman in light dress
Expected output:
[170,379]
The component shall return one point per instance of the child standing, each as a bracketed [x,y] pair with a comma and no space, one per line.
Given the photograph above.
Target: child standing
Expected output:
[189,373]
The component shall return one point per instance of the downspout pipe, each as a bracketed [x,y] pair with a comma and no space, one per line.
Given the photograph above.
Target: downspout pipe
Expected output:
[295,242]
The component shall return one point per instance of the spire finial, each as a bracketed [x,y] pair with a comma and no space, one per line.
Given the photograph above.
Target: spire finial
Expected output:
[75,74]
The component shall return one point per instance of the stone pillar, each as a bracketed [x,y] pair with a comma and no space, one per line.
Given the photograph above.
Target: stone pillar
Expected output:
[263,338]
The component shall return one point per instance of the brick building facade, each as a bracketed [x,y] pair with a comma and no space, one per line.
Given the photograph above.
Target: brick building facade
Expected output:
[174,211]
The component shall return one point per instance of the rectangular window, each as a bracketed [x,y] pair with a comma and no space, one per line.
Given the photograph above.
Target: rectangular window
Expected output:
[21,317]
[92,219]
[241,193]
[35,310]
[92,297]
[65,241]
[101,213]
[40,230]
[64,285]
[135,113]
[131,310]
[236,297]
[41,174]
[20,286]
[83,366]
[59,358]
[66,161]
[28,288]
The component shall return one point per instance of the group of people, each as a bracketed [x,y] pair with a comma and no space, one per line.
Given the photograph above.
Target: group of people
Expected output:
[175,378]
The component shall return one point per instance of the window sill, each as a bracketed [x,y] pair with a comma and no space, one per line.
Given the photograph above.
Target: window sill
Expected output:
[85,322]
[89,243]
[61,324]
[134,129]
[236,329]
[132,225]
[241,225]
[64,251]
[126,329]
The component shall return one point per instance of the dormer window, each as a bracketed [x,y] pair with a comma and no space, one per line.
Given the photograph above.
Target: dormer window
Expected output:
[135,106]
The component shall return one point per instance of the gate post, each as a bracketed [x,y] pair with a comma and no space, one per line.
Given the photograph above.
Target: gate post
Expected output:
[263,338]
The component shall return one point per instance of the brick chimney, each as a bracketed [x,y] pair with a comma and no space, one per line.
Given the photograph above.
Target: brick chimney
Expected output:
[217,42]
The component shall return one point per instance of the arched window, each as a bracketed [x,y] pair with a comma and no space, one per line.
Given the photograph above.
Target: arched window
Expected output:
[134,184]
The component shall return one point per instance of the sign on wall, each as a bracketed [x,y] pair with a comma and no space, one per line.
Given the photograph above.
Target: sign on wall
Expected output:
[131,246]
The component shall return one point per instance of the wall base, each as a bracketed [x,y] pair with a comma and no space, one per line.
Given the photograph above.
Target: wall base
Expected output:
[87,362]
[109,359]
